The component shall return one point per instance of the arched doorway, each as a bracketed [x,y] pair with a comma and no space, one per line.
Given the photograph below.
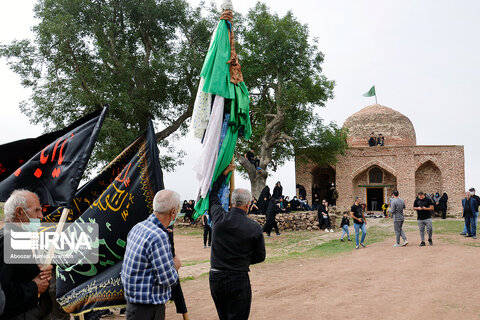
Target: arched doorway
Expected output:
[374,185]
[323,178]
[428,178]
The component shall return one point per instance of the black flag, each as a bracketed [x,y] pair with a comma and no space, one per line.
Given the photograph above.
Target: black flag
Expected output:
[51,165]
[125,201]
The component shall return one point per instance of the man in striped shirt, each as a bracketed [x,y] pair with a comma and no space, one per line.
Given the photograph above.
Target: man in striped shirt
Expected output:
[149,269]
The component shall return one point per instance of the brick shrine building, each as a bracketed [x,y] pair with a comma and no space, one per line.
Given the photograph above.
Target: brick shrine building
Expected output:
[374,172]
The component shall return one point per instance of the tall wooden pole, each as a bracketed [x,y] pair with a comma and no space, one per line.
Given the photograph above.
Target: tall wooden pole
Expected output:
[232,181]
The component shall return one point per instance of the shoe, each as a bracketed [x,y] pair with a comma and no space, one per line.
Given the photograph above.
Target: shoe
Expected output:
[349,239]
[356,247]
[331,230]
[342,240]
[268,235]
[363,244]
[397,245]
[405,243]
[326,230]
[209,246]
[468,236]
[430,242]
[204,247]
[462,233]
[474,237]
[422,244]
[278,233]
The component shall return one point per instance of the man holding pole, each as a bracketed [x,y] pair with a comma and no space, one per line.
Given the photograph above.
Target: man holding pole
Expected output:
[237,243]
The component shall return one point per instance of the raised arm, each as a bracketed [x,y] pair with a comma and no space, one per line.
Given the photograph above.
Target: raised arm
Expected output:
[215,202]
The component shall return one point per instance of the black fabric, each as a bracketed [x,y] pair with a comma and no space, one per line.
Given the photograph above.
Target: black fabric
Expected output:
[177,293]
[136,311]
[250,156]
[232,294]
[345,221]
[126,201]
[263,199]
[358,213]
[301,191]
[56,168]
[277,192]
[16,280]
[467,209]
[442,203]
[237,241]
[207,235]
[270,221]
[372,142]
[477,199]
[423,214]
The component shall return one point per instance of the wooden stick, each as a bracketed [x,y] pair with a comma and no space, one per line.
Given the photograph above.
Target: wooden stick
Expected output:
[51,249]
[232,181]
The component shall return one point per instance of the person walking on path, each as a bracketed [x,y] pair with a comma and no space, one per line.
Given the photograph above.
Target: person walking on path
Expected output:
[424,207]
[470,211]
[270,221]
[207,229]
[344,225]
[237,243]
[359,222]
[397,205]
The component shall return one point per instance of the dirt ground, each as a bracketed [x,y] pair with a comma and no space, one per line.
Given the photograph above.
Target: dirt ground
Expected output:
[377,282]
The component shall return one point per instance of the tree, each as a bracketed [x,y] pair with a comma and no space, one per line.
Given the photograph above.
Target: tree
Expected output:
[142,58]
[282,70]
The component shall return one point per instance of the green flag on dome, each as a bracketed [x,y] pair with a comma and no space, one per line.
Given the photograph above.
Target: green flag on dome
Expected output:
[370,93]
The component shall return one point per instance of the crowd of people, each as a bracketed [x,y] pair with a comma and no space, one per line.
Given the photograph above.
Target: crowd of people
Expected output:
[150,266]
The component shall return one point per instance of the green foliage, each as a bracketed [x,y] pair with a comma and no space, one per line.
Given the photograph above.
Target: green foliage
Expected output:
[282,69]
[142,58]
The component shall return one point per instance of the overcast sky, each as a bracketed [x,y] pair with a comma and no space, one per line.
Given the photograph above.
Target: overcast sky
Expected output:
[422,56]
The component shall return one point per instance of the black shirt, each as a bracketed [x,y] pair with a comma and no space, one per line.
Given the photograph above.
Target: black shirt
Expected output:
[372,142]
[358,213]
[17,283]
[423,214]
[237,241]
[467,209]
[250,156]
[345,221]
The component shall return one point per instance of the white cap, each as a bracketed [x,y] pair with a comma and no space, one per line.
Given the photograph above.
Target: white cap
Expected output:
[226,5]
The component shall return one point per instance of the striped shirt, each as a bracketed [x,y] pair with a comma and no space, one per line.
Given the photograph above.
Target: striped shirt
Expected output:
[148,271]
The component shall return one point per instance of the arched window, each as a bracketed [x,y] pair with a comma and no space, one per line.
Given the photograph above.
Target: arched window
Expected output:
[375,175]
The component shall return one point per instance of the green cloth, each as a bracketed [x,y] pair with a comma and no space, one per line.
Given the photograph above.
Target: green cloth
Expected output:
[370,92]
[216,72]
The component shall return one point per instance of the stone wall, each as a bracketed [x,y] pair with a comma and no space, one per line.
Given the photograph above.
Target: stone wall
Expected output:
[298,220]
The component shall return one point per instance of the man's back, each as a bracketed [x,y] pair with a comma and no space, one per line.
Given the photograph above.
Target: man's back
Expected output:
[396,207]
[237,241]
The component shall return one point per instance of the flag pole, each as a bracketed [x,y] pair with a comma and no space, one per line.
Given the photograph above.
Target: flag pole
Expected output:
[376,97]
[232,180]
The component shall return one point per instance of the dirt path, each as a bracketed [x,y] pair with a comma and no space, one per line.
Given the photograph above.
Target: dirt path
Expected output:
[379,282]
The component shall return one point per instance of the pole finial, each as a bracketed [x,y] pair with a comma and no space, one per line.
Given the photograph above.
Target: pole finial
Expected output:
[226,5]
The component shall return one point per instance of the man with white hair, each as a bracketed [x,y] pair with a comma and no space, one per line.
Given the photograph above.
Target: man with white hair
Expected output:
[22,283]
[237,242]
[149,268]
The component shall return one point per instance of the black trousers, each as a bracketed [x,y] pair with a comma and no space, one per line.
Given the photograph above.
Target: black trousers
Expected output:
[207,233]
[324,223]
[231,293]
[145,311]
[269,223]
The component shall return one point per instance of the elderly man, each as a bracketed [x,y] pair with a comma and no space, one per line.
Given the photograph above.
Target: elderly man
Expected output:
[237,242]
[149,268]
[22,283]
[470,212]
